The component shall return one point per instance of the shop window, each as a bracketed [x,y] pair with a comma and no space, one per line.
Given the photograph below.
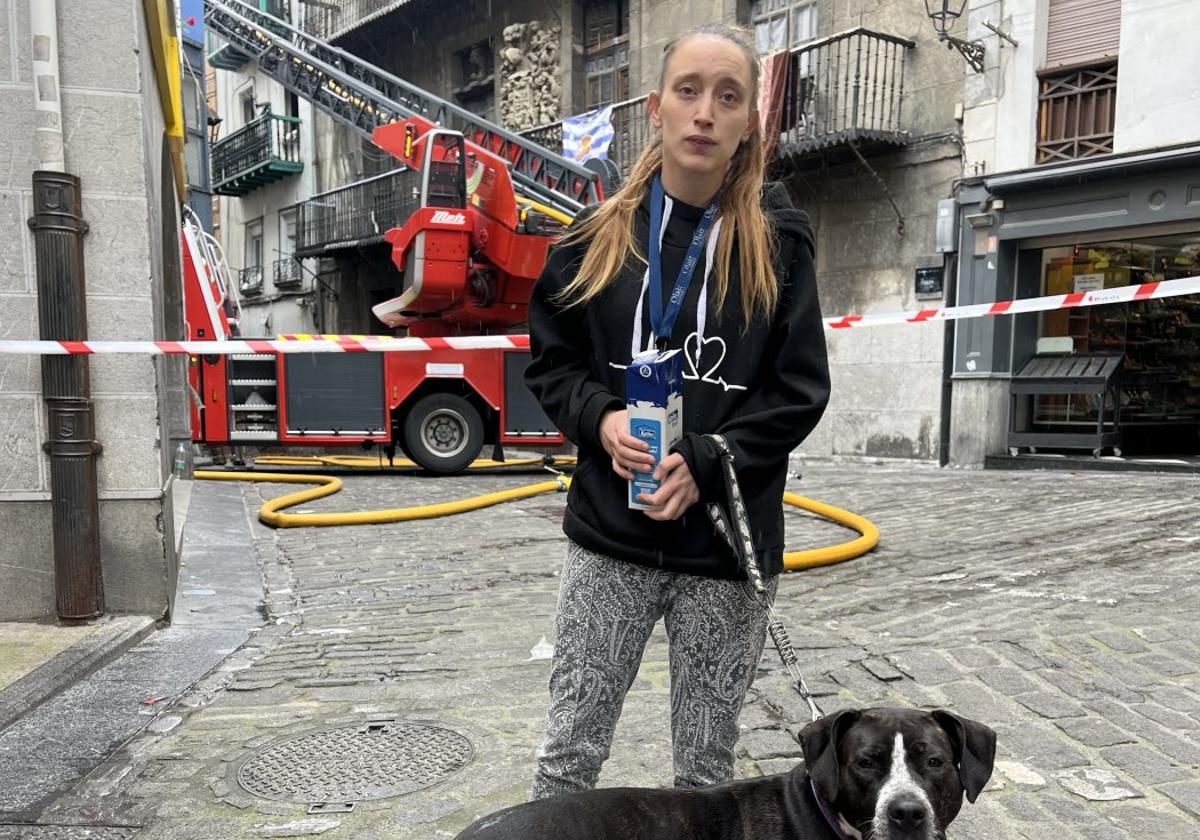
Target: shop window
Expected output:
[606,52]
[782,24]
[1076,111]
[1160,339]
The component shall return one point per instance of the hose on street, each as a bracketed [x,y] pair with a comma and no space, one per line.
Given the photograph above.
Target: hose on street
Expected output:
[272,512]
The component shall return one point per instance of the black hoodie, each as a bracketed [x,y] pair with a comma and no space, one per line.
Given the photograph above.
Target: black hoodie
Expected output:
[763,389]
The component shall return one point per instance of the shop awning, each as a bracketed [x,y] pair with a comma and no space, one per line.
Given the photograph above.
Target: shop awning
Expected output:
[1096,169]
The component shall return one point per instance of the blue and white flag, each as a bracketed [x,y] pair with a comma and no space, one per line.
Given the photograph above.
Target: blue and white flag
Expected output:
[588,135]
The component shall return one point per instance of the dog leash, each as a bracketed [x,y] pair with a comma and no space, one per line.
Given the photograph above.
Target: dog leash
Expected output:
[737,534]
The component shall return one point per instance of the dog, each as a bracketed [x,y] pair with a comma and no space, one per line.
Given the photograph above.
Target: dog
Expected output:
[868,774]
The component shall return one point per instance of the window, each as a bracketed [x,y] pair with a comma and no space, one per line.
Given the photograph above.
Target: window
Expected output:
[287,267]
[1076,110]
[194,117]
[193,110]
[606,52]
[254,243]
[782,24]
[249,109]
[193,154]
[251,281]
[476,78]
[291,104]
[287,232]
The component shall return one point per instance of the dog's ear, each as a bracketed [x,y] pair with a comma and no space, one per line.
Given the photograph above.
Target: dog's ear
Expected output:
[819,741]
[974,750]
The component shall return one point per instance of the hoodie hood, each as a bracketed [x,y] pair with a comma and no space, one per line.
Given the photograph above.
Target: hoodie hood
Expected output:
[789,221]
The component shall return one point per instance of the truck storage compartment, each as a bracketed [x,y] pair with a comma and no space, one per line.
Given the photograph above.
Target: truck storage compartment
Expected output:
[335,393]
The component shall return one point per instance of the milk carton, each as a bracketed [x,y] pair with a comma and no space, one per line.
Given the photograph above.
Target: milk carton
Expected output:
[654,398]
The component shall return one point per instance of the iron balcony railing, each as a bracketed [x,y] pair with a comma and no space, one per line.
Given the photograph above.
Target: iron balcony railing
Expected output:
[329,20]
[356,215]
[844,88]
[258,153]
[631,132]
[287,273]
[250,280]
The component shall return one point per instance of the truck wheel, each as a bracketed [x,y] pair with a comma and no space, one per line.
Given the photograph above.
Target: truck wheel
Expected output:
[443,433]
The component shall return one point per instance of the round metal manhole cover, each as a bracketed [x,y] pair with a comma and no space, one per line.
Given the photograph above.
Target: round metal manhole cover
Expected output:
[355,763]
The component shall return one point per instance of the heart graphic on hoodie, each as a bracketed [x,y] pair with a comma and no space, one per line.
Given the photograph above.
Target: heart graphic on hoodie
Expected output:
[693,351]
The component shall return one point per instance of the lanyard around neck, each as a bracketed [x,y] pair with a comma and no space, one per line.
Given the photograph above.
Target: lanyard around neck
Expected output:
[662,321]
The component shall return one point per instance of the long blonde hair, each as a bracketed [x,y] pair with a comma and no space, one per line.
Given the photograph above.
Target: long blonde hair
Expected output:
[609,231]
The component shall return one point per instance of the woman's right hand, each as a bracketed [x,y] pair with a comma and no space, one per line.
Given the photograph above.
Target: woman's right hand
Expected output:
[627,452]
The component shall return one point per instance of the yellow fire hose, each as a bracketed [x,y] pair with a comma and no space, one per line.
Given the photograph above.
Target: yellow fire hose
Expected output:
[271,513]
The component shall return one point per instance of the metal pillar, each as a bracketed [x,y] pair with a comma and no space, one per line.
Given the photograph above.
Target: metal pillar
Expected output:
[58,230]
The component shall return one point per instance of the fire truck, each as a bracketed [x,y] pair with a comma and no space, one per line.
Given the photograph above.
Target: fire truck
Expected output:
[486,205]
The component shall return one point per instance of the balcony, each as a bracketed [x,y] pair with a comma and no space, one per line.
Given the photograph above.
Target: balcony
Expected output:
[356,215]
[224,55]
[631,132]
[287,273]
[842,90]
[327,20]
[259,153]
[250,281]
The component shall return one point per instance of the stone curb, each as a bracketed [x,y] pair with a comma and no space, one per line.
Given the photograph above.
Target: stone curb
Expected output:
[68,667]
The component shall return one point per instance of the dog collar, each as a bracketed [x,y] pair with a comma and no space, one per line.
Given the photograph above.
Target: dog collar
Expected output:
[831,818]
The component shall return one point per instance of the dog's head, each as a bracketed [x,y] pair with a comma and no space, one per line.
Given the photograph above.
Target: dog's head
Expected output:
[898,774]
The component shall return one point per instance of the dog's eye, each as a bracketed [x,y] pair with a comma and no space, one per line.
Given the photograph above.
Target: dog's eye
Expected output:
[865,764]
[934,762]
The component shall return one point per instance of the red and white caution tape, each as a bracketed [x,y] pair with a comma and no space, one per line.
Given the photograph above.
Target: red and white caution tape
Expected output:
[377,344]
[1099,297]
[284,344]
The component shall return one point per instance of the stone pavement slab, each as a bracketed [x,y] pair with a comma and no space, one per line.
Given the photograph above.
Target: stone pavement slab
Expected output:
[68,736]
[39,659]
[1059,608]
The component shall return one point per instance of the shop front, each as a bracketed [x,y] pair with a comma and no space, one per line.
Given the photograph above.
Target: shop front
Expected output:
[1102,224]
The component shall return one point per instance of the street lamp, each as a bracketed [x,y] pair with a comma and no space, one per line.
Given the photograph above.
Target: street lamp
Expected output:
[944,13]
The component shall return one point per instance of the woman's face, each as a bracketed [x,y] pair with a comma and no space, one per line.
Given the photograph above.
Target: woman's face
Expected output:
[705,107]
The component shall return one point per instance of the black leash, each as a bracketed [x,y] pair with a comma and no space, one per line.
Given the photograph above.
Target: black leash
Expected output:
[737,534]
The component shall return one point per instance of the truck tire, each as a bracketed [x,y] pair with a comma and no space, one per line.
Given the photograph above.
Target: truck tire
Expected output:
[443,433]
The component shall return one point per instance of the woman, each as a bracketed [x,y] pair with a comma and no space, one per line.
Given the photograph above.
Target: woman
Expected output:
[755,372]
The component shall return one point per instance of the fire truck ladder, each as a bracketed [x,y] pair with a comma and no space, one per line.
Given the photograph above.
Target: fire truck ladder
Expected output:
[364,97]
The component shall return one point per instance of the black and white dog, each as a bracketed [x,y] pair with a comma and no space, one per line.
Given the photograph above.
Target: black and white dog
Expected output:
[873,774]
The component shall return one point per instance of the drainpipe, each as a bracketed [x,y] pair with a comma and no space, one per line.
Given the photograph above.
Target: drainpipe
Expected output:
[58,230]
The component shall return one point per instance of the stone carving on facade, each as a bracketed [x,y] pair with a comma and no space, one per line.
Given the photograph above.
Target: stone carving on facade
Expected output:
[530,75]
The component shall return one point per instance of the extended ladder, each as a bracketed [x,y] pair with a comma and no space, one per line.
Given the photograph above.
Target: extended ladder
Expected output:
[364,97]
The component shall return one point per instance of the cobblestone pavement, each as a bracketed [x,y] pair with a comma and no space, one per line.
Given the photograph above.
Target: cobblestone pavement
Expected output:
[1059,608]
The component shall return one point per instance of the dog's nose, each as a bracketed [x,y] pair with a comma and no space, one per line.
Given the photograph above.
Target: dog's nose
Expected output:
[906,814]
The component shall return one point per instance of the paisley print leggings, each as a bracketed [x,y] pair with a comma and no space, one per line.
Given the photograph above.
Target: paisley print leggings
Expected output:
[606,611]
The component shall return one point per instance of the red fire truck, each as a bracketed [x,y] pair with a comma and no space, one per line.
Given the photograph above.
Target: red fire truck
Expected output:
[489,203]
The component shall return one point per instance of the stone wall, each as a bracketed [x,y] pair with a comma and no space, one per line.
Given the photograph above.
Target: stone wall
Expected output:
[113,137]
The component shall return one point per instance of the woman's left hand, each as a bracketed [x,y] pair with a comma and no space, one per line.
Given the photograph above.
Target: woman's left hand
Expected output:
[677,489]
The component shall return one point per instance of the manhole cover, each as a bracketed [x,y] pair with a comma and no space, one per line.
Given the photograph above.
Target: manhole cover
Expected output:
[355,763]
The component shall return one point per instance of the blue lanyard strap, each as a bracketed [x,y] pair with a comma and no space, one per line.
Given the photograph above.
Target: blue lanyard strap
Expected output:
[662,323]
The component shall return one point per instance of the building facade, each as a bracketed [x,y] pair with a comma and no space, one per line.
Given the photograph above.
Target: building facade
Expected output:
[122,138]
[869,142]
[1081,172]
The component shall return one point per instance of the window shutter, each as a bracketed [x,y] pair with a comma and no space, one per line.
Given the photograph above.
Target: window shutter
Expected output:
[1082,32]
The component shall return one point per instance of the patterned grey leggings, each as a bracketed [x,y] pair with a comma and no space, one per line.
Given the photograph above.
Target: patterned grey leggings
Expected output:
[606,611]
